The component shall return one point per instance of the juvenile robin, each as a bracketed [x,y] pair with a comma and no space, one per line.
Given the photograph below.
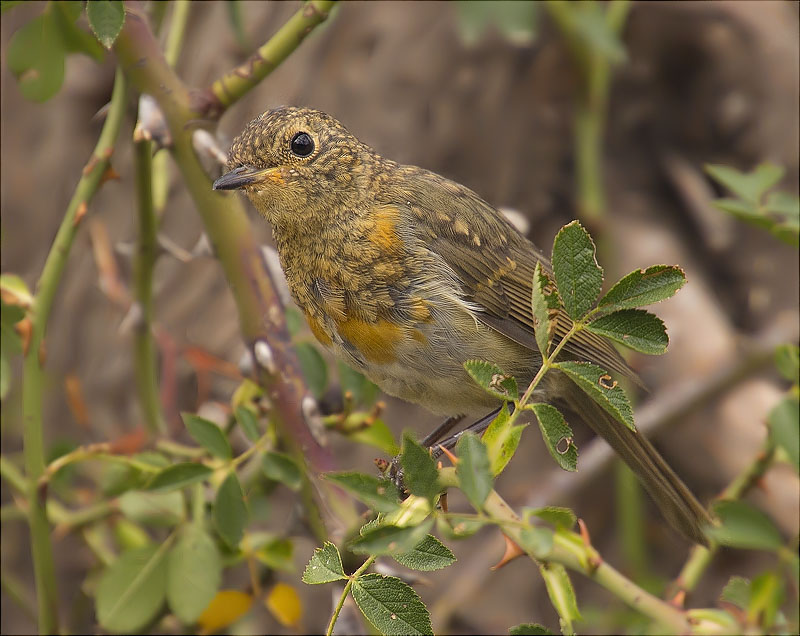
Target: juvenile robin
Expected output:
[405,275]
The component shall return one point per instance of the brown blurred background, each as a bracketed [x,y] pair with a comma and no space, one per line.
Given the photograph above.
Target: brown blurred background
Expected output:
[703,83]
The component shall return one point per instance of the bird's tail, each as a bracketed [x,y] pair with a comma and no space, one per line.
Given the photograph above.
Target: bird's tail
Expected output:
[675,500]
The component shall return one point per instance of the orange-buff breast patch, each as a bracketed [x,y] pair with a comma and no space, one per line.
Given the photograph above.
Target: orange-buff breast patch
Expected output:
[375,341]
[384,233]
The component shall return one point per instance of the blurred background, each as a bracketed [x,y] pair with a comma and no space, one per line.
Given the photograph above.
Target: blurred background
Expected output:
[490,104]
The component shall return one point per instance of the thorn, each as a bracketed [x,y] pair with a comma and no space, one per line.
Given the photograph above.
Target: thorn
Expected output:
[443,502]
[679,599]
[80,213]
[453,459]
[109,174]
[25,329]
[42,353]
[512,552]
[584,532]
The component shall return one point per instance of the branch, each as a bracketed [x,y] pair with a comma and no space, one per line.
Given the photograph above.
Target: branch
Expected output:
[236,83]
[33,375]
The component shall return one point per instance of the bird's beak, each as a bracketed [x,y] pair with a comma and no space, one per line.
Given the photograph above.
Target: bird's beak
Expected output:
[240,177]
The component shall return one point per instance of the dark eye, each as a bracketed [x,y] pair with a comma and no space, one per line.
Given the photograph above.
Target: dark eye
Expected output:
[302,145]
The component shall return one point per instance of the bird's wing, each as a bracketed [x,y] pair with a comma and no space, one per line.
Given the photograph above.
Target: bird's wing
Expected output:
[494,264]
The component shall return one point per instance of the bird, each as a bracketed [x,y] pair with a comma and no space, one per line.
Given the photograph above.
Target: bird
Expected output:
[405,275]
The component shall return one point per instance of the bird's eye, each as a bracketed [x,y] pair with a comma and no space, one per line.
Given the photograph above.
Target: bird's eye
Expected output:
[302,145]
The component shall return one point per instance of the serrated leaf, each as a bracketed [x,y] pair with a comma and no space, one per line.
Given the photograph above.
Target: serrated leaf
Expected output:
[787,359]
[554,515]
[230,511]
[179,476]
[428,555]
[492,379]
[529,629]
[537,541]
[737,592]
[208,435]
[36,57]
[227,607]
[390,539]
[784,427]
[314,368]
[194,574]
[502,439]
[391,606]
[743,526]
[378,494]
[472,469]
[635,328]
[75,39]
[248,421]
[766,596]
[578,276]
[542,302]
[458,528]
[106,18]
[284,603]
[747,186]
[376,434]
[561,593]
[281,467]
[557,435]
[132,590]
[419,470]
[602,388]
[277,553]
[643,287]
[153,508]
[325,566]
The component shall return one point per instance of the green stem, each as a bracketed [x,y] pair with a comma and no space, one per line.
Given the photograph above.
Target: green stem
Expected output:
[13,476]
[144,349]
[337,610]
[630,521]
[33,372]
[236,83]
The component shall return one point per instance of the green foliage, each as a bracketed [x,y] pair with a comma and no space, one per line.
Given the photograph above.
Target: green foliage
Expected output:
[153,508]
[10,343]
[557,435]
[390,540]
[363,391]
[775,211]
[247,419]
[194,573]
[544,299]
[538,541]
[635,328]
[515,20]
[208,435]
[501,440]
[428,555]
[743,526]
[106,18]
[554,515]
[643,287]
[378,494]
[784,429]
[602,388]
[577,274]
[281,467]
[787,359]
[314,368]
[391,606]
[420,473]
[325,566]
[472,470]
[230,511]
[562,594]
[492,379]
[179,476]
[529,629]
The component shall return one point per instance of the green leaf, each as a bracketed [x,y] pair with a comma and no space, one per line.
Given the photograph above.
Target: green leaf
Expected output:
[538,541]
[635,328]
[390,539]
[544,299]
[194,573]
[363,391]
[785,205]
[153,508]
[787,359]
[428,555]
[458,528]
[230,511]
[744,527]
[420,475]
[277,553]
[515,20]
[737,592]
[578,276]
[529,629]
[314,368]
[766,596]
[643,287]
[558,517]
[208,435]
[281,467]
[325,566]
[747,186]
[378,494]
[131,591]
[557,435]
[376,434]
[106,18]
[179,476]
[602,388]
[75,40]
[784,427]
[592,29]
[562,594]
[36,55]
[472,469]
[247,419]
[492,379]
[743,210]
[391,606]
[502,439]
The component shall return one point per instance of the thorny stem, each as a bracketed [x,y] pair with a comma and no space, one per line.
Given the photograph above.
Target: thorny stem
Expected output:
[236,83]
[33,373]
[337,610]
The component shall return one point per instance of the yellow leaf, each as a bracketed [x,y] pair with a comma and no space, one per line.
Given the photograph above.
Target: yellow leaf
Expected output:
[284,604]
[225,608]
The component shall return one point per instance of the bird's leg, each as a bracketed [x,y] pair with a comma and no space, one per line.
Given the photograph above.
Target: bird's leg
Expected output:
[477,427]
